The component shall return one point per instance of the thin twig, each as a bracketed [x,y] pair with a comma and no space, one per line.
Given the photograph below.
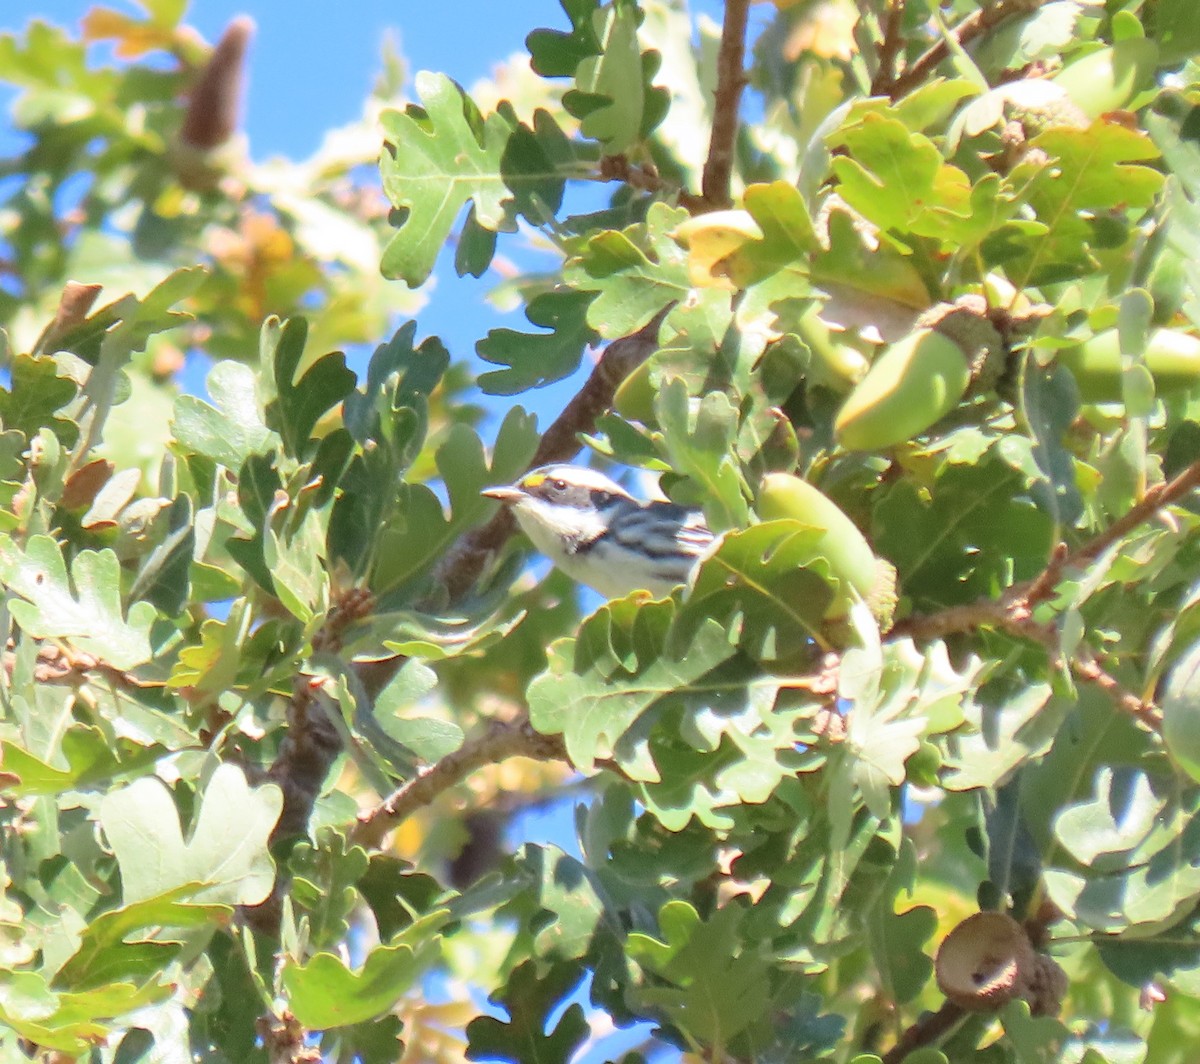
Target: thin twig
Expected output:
[731,79]
[974,25]
[1155,499]
[1085,667]
[503,739]
[646,178]
[889,48]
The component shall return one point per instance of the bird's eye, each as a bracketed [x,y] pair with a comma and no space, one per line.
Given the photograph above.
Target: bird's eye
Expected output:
[559,485]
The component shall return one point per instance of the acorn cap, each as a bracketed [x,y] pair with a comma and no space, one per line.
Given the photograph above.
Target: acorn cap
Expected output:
[985,962]
[966,322]
[988,961]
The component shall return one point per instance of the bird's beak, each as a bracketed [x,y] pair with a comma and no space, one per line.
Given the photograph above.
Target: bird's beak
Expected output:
[506,494]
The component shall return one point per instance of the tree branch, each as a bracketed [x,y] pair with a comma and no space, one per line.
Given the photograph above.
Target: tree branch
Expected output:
[927,1030]
[889,49]
[731,79]
[308,750]
[502,740]
[974,25]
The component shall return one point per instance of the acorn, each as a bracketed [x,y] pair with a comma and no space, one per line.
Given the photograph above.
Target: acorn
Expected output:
[1171,356]
[1109,78]
[1181,712]
[634,397]
[782,496]
[988,960]
[919,379]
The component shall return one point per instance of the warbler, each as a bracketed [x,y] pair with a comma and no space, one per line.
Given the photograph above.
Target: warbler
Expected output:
[599,535]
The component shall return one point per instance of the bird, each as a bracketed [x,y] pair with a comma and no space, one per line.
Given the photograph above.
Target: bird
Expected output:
[602,536]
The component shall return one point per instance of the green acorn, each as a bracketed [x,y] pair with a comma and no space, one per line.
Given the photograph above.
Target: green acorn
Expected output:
[1172,357]
[1109,78]
[782,496]
[634,398]
[916,381]
[1181,712]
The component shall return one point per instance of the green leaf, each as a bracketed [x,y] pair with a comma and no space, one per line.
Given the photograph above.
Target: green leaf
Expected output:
[698,440]
[1003,733]
[72,1022]
[718,988]
[869,279]
[84,760]
[610,93]
[556,902]
[39,388]
[299,403]
[538,359]
[294,554]
[708,757]
[324,878]
[84,610]
[1035,1039]
[435,637]
[530,998]
[439,157]
[106,955]
[898,696]
[1093,172]
[1091,829]
[554,54]
[762,580]
[427,737]
[635,272]
[409,547]
[1176,30]
[788,234]
[233,429]
[898,939]
[898,179]
[979,532]
[599,684]
[224,860]
[393,404]
[1049,404]
[325,993]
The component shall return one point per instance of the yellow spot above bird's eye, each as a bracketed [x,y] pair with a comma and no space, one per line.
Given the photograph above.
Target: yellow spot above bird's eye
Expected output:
[534,480]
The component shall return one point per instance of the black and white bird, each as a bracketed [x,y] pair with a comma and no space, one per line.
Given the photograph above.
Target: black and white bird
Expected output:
[599,535]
